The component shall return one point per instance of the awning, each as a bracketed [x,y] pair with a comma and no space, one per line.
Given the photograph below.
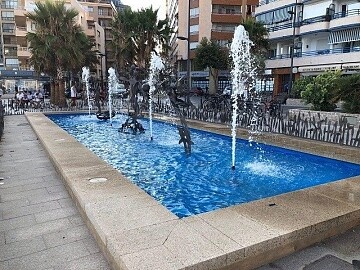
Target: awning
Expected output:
[345,35]
[319,68]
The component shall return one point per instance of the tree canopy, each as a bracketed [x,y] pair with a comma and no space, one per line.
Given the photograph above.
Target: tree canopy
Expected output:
[59,44]
[210,55]
[136,35]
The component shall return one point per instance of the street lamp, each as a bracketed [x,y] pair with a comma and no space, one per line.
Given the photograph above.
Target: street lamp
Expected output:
[101,67]
[293,14]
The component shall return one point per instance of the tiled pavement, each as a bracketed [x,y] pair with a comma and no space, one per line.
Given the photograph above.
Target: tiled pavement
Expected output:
[40,227]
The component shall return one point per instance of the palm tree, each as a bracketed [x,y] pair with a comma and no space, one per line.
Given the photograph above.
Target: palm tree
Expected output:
[136,35]
[122,43]
[58,45]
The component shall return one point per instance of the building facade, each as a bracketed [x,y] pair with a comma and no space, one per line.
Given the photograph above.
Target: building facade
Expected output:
[309,37]
[193,20]
[94,17]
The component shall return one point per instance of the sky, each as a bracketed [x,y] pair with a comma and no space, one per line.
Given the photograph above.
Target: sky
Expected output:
[138,4]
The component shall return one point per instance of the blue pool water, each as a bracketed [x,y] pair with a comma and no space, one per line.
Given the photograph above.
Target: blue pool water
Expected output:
[203,181]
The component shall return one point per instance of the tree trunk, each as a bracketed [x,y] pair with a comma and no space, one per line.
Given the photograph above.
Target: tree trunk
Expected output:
[62,99]
[213,81]
[52,92]
[56,102]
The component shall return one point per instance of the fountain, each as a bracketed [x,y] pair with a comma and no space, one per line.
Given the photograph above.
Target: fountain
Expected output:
[111,85]
[156,65]
[241,75]
[85,78]
[202,181]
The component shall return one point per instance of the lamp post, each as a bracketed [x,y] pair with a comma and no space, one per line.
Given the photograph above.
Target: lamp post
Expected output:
[101,67]
[293,14]
[188,63]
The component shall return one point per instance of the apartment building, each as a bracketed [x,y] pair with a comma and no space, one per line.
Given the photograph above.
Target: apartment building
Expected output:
[193,20]
[309,37]
[94,17]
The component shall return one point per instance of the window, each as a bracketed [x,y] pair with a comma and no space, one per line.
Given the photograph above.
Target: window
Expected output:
[7,15]
[224,27]
[8,27]
[226,9]
[100,11]
[194,28]
[193,45]
[9,4]
[194,12]
[33,26]
[224,43]
[90,9]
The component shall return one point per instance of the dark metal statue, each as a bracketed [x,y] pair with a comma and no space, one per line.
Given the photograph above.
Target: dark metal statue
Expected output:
[135,84]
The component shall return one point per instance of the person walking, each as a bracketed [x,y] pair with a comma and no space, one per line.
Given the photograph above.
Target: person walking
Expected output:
[73,95]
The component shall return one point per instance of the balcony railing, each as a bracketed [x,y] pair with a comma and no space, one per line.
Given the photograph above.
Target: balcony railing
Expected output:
[8,6]
[8,30]
[322,18]
[8,18]
[226,12]
[316,53]
[342,14]
[279,27]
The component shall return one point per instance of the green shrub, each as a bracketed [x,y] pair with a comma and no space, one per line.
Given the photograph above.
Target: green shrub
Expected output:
[321,93]
[349,92]
[300,85]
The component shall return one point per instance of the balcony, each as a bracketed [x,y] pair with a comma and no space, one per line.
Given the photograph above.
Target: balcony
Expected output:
[226,2]
[23,52]
[218,34]
[90,31]
[344,19]
[20,31]
[225,18]
[318,57]
[267,5]
[20,18]
[7,32]
[314,27]
[282,32]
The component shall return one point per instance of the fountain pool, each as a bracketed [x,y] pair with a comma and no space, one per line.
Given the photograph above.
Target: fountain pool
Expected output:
[203,181]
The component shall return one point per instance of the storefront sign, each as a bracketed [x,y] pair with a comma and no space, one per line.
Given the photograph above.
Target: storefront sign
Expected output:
[319,68]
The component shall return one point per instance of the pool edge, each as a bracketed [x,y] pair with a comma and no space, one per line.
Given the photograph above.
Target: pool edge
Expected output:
[212,239]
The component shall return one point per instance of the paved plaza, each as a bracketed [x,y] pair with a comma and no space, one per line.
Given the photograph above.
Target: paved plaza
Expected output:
[41,228]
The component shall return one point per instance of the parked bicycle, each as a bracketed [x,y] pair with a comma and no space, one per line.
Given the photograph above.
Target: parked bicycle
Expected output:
[216,103]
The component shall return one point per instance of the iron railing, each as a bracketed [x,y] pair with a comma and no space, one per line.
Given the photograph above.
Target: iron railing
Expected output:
[268,115]
[317,53]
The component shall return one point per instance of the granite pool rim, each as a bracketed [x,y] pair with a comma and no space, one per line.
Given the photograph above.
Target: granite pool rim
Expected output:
[136,232]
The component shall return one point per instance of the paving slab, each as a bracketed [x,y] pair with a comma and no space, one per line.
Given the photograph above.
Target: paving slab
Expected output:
[239,237]
[215,240]
[329,262]
[40,226]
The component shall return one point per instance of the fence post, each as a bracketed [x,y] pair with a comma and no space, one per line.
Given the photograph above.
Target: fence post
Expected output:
[2,113]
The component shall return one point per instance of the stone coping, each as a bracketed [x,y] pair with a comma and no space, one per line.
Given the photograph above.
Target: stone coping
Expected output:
[137,232]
